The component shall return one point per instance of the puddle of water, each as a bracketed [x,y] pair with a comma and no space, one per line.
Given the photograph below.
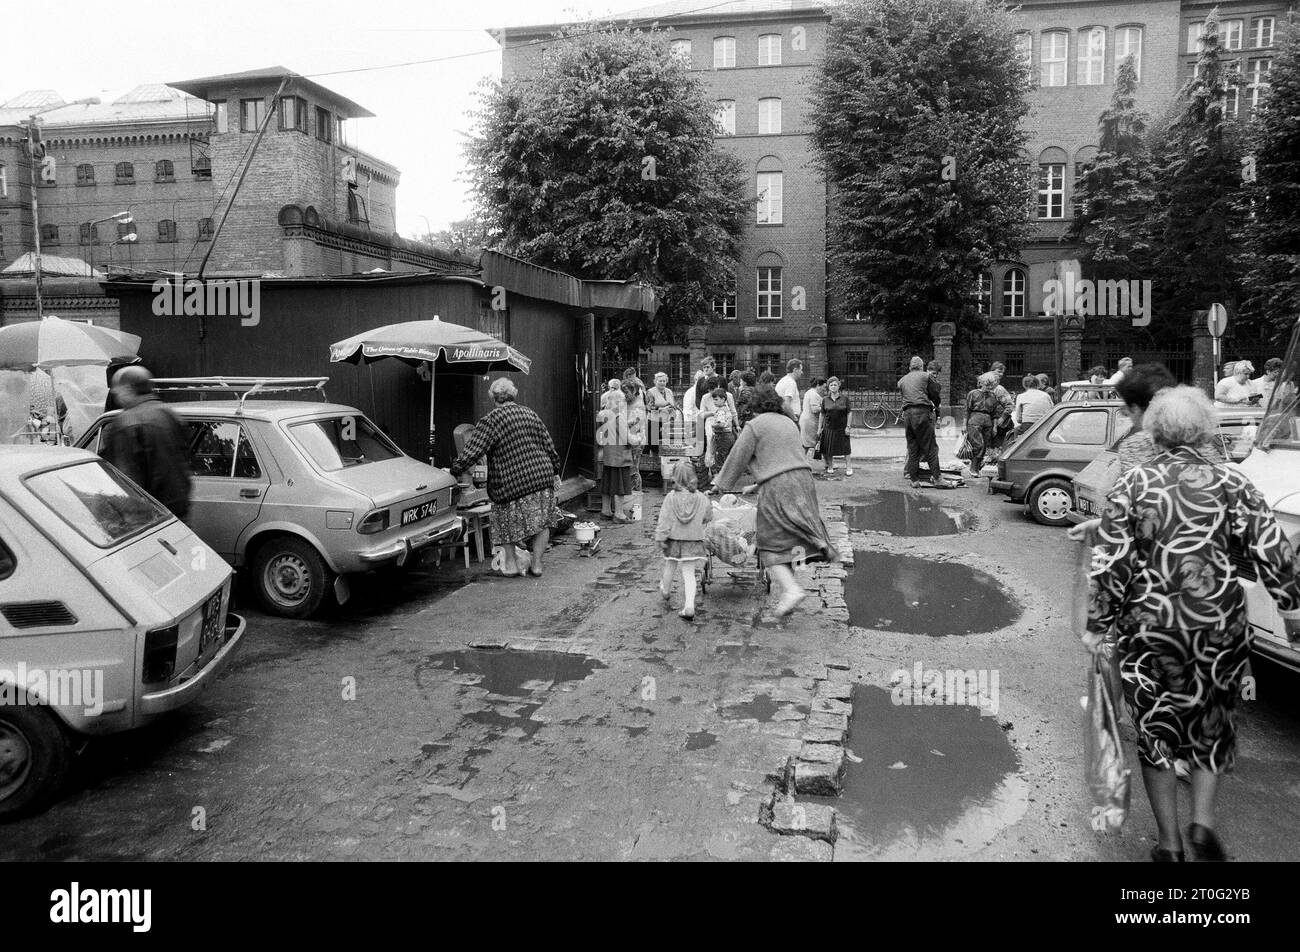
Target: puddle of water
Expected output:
[761,709]
[903,593]
[509,672]
[700,739]
[932,778]
[635,731]
[904,514]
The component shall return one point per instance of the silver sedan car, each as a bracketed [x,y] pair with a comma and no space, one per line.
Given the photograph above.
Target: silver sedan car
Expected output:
[303,494]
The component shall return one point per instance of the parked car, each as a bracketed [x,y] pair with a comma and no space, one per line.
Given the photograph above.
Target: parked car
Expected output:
[1039,468]
[112,612]
[1274,467]
[304,494]
[1086,390]
[1236,438]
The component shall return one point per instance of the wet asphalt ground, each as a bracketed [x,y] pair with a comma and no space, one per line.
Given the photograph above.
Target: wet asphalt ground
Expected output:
[450,714]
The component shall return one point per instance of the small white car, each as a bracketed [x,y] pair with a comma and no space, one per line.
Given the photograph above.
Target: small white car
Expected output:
[112,612]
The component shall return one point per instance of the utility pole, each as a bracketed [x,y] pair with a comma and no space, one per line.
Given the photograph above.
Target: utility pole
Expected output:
[35,152]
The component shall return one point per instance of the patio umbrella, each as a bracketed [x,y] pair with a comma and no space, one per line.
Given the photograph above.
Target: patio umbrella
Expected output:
[448,347]
[54,342]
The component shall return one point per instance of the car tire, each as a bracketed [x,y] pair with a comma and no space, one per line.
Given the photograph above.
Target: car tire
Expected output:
[34,758]
[1050,502]
[290,577]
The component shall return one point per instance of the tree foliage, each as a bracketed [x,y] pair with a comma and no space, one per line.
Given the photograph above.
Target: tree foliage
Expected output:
[917,124]
[604,165]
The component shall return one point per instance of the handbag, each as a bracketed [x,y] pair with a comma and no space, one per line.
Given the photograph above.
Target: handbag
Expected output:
[1108,775]
[964,448]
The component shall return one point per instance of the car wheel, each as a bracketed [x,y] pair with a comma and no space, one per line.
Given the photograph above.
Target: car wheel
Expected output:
[1051,501]
[34,758]
[291,577]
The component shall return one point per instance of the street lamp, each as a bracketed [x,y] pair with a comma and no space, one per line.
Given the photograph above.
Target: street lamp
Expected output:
[128,239]
[122,218]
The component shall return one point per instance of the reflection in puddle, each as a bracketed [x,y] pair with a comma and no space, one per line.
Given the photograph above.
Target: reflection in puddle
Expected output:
[761,709]
[904,514]
[903,593]
[514,673]
[932,780]
[700,739]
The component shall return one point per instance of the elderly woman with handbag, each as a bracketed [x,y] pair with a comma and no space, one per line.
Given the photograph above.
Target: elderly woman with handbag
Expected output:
[1164,585]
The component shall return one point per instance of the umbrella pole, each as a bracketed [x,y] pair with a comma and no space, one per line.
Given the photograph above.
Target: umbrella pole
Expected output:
[433,380]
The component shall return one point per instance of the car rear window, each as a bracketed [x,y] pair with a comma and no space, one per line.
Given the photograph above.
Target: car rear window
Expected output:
[99,502]
[1087,427]
[341,442]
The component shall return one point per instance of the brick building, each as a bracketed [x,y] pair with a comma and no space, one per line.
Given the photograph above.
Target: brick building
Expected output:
[756,57]
[310,204]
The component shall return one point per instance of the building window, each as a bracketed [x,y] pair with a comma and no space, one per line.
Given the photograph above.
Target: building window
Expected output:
[251,114]
[1128,42]
[1230,31]
[202,167]
[125,228]
[725,116]
[679,370]
[88,234]
[205,229]
[1083,162]
[857,368]
[1051,190]
[1195,36]
[1025,47]
[293,114]
[85,174]
[769,294]
[324,125]
[681,50]
[49,234]
[124,173]
[769,49]
[770,188]
[357,214]
[983,293]
[1261,31]
[725,307]
[771,362]
[1231,102]
[724,364]
[1055,57]
[166,230]
[1013,293]
[724,52]
[769,116]
[164,171]
[220,117]
[1092,57]
[1257,81]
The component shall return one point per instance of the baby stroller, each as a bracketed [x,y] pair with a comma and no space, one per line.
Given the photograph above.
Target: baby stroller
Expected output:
[730,537]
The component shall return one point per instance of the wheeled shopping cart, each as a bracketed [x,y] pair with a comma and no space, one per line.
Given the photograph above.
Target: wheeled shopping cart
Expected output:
[744,515]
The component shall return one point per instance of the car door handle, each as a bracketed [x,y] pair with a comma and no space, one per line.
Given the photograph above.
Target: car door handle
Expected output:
[250,493]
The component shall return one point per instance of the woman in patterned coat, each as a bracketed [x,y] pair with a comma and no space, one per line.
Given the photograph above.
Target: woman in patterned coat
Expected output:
[1163,583]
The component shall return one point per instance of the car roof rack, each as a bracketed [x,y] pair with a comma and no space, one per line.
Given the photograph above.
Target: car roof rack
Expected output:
[241,388]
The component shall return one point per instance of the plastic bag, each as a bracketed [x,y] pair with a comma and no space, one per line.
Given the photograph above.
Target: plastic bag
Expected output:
[1107,772]
[963,448]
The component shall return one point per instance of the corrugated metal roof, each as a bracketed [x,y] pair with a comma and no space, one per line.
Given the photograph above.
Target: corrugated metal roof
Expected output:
[53,266]
[139,105]
[200,87]
[34,99]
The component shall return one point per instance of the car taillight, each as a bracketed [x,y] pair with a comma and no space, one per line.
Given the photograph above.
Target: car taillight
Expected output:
[159,654]
[376,521]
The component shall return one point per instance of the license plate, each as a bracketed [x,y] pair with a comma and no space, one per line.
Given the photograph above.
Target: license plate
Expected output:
[212,624]
[424,510]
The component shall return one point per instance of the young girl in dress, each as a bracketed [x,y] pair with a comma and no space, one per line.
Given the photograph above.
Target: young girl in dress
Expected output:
[615,455]
[681,534]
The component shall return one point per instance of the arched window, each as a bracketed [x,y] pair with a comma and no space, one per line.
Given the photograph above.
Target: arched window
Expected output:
[769,116]
[124,173]
[769,49]
[1051,184]
[724,114]
[1013,293]
[166,230]
[1054,55]
[984,292]
[1128,42]
[85,175]
[724,52]
[1092,57]
[681,49]
[1025,47]
[164,171]
[1083,160]
[771,191]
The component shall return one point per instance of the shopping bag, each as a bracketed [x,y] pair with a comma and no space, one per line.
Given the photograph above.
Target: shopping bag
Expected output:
[1108,774]
[726,540]
[963,448]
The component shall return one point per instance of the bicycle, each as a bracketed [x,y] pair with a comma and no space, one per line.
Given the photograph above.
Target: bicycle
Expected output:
[875,415]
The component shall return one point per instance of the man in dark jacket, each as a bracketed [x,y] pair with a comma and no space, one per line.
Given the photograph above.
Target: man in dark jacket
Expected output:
[148,442]
[920,392]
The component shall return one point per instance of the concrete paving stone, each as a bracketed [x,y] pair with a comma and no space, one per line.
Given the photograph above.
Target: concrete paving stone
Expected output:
[798,849]
[789,714]
[813,820]
[840,664]
[838,675]
[832,754]
[822,735]
[784,729]
[824,719]
[826,705]
[816,780]
[839,690]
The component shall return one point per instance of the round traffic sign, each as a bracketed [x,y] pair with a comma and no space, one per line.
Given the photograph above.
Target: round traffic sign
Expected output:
[1216,320]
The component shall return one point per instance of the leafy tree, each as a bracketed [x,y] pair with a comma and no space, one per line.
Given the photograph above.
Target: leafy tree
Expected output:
[467,236]
[605,166]
[1273,282]
[1200,213]
[917,116]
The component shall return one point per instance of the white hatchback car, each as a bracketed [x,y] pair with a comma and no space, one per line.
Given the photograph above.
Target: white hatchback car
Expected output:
[112,611]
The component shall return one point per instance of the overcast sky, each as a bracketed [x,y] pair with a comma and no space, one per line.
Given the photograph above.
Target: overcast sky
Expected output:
[86,49]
